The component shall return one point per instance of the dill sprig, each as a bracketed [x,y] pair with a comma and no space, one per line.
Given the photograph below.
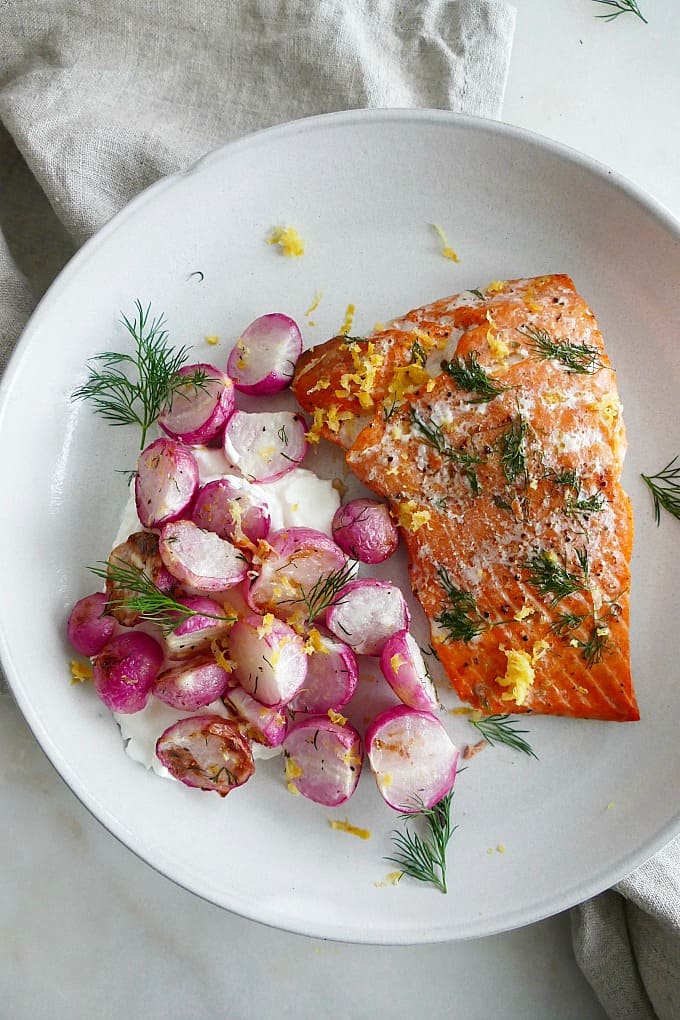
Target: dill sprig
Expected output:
[461,619]
[551,577]
[477,293]
[512,447]
[566,623]
[470,376]
[147,599]
[620,7]
[133,389]
[597,644]
[324,592]
[578,359]
[434,436]
[665,489]
[586,505]
[424,857]
[501,729]
[418,354]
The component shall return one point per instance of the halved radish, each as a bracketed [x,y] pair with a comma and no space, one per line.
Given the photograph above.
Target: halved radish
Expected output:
[89,625]
[166,482]
[403,667]
[271,664]
[412,757]
[200,558]
[207,752]
[125,669]
[263,360]
[199,411]
[139,551]
[298,559]
[194,633]
[264,724]
[191,685]
[364,530]
[323,759]
[230,508]
[332,675]
[367,612]
[265,445]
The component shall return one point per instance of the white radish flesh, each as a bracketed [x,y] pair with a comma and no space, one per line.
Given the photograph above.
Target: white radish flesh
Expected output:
[296,561]
[166,482]
[206,752]
[89,626]
[367,612]
[195,633]
[264,724]
[230,508]
[125,669]
[412,757]
[139,551]
[332,676]
[271,664]
[200,559]
[265,445]
[191,685]
[323,759]
[365,531]
[403,666]
[263,360]
[199,412]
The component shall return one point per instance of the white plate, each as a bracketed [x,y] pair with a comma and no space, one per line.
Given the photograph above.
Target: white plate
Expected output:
[361,188]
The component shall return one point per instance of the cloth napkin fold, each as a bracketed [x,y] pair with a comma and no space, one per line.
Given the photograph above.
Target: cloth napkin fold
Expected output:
[99,98]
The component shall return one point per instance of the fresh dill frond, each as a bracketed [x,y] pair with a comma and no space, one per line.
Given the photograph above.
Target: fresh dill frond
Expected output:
[578,359]
[147,599]
[586,505]
[620,7]
[550,576]
[665,489]
[461,619]
[512,448]
[566,623]
[470,376]
[477,293]
[434,436]
[597,645]
[418,354]
[424,857]
[501,729]
[566,476]
[133,389]
[324,592]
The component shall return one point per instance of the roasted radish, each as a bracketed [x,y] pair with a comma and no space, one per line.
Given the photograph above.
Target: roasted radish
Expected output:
[403,667]
[200,559]
[332,675]
[265,445]
[191,685]
[125,669]
[299,574]
[166,482]
[138,552]
[323,759]
[207,752]
[230,508]
[89,625]
[201,407]
[412,757]
[271,664]
[366,612]
[365,531]
[263,360]
[194,633]
[264,724]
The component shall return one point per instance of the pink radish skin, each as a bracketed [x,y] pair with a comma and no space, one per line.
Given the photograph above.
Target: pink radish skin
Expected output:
[125,669]
[200,559]
[323,759]
[228,507]
[332,677]
[297,558]
[263,360]
[139,550]
[412,757]
[366,613]
[197,416]
[206,752]
[89,627]
[265,445]
[191,685]
[271,664]
[196,632]
[166,482]
[365,531]
[264,724]
[402,665]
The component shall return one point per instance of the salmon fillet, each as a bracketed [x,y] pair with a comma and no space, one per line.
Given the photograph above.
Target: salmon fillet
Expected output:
[491,423]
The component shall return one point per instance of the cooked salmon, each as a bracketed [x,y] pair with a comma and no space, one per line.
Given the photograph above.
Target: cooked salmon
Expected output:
[492,424]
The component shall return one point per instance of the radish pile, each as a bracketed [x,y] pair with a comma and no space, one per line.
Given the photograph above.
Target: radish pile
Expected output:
[268,625]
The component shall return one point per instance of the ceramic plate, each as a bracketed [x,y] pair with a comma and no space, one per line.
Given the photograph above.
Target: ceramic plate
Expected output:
[362,189]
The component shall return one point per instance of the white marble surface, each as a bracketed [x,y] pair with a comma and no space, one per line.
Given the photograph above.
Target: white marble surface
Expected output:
[87,930]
